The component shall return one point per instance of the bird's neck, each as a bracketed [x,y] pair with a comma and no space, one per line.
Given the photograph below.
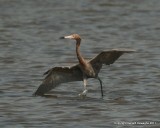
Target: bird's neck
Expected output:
[79,56]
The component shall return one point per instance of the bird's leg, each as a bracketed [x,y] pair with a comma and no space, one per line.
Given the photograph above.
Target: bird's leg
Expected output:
[100,81]
[84,93]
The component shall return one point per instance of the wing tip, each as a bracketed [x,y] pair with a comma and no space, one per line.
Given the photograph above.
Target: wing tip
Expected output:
[38,93]
[42,89]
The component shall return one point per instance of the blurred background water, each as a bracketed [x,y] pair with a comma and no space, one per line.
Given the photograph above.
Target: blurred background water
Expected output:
[30,45]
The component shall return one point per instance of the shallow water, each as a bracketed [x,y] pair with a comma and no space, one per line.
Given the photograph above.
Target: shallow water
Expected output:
[30,45]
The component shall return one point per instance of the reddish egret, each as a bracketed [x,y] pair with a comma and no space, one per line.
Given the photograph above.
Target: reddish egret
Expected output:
[80,72]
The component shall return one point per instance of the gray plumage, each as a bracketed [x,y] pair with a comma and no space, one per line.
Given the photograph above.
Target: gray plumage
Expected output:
[58,75]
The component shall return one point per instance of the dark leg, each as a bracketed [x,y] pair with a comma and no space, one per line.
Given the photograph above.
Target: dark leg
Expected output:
[100,81]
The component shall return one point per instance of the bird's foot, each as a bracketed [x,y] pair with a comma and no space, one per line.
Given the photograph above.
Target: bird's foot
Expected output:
[83,94]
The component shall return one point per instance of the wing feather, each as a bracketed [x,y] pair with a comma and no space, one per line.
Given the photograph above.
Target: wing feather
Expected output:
[107,57]
[58,75]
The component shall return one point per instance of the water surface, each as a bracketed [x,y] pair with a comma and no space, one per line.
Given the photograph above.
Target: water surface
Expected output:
[30,45]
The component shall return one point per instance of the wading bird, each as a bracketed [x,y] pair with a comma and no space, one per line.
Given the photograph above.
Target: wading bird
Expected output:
[80,72]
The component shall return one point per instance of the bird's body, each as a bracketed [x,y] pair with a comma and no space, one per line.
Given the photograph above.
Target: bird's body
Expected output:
[80,72]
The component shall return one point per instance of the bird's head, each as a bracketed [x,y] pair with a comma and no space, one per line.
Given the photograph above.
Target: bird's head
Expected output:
[73,36]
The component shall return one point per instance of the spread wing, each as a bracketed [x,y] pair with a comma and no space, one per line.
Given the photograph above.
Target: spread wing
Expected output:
[58,75]
[107,57]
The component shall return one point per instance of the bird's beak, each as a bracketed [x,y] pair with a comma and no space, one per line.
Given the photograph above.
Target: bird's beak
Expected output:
[67,37]
[62,37]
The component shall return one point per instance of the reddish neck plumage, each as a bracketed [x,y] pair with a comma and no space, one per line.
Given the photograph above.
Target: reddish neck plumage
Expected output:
[79,56]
